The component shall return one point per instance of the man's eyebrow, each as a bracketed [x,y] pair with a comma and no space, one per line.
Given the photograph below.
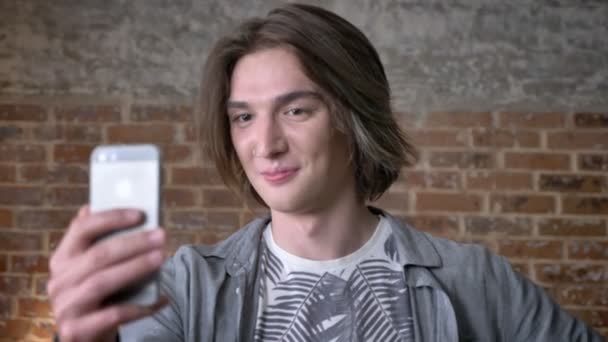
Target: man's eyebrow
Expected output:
[294,95]
[279,100]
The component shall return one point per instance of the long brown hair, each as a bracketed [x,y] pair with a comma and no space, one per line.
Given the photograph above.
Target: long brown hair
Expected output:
[337,57]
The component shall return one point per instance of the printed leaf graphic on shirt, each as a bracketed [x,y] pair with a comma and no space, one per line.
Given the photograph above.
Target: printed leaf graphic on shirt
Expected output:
[309,307]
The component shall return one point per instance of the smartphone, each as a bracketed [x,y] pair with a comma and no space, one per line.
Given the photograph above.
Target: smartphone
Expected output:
[128,176]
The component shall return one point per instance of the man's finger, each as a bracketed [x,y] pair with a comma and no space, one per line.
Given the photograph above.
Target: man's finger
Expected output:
[88,328]
[84,230]
[89,294]
[107,253]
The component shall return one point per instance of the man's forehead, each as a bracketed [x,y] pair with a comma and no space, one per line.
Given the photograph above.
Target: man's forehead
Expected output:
[268,74]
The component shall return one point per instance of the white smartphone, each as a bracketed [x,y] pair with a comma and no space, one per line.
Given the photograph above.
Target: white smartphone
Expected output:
[128,176]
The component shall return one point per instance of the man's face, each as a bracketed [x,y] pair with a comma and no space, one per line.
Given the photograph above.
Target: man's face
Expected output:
[283,136]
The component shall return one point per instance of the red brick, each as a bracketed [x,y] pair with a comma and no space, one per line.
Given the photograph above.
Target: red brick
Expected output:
[42,330]
[223,220]
[393,201]
[443,180]
[428,201]
[458,119]
[481,225]
[195,176]
[585,205]
[7,308]
[83,133]
[15,329]
[72,153]
[191,133]
[488,243]
[445,226]
[31,263]
[6,218]
[40,283]
[186,220]
[578,140]
[176,239]
[462,160]
[62,173]
[585,249]
[410,179]
[197,220]
[505,138]
[591,120]
[3,263]
[55,238]
[154,133]
[221,198]
[522,268]
[43,219]
[8,173]
[177,153]
[571,273]
[250,215]
[429,179]
[572,183]
[36,308]
[103,113]
[582,295]
[438,138]
[22,112]
[537,249]
[23,153]
[593,162]
[572,227]
[15,285]
[210,238]
[161,113]
[537,161]
[529,204]
[20,241]
[173,197]
[68,196]
[21,195]
[594,318]
[11,133]
[532,120]
[68,133]
[491,180]
[48,132]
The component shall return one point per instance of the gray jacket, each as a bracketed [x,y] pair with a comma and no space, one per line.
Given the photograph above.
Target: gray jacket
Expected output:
[458,293]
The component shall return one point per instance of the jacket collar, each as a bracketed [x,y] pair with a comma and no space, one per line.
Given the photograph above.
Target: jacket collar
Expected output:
[241,249]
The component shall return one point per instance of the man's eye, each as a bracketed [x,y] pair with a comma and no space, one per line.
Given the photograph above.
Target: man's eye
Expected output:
[295,111]
[241,117]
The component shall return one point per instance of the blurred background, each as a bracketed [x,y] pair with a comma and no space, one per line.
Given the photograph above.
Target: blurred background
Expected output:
[507,101]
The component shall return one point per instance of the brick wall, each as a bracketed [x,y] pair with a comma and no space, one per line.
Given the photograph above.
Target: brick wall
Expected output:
[530,186]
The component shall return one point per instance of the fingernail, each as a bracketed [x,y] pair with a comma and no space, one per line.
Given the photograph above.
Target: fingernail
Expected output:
[157,236]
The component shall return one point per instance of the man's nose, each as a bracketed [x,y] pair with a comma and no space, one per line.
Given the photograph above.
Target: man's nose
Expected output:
[270,140]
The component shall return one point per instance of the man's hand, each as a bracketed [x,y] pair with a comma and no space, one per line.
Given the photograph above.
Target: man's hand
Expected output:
[84,273]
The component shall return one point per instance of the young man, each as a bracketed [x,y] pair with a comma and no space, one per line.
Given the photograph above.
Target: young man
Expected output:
[296,112]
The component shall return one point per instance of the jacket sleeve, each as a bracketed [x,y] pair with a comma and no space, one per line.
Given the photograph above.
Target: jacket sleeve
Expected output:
[166,324]
[529,314]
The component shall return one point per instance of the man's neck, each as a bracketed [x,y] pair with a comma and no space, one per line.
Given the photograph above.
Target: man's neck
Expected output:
[327,233]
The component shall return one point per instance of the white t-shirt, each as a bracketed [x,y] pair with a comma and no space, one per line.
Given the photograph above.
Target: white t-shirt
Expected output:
[359,297]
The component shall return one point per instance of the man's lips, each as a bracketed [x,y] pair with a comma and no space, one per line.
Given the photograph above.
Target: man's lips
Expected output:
[279,175]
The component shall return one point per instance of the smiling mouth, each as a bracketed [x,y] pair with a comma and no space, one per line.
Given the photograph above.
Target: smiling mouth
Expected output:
[279,176]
